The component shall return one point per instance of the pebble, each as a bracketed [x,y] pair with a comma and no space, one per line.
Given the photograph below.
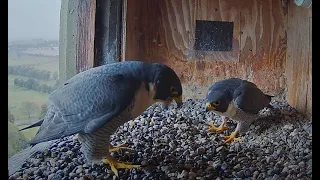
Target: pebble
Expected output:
[201,150]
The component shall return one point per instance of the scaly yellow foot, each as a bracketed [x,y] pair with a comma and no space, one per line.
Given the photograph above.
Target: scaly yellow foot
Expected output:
[232,137]
[219,129]
[117,148]
[115,165]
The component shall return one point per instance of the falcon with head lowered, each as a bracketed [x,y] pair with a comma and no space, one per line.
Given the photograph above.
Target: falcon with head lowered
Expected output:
[94,103]
[237,99]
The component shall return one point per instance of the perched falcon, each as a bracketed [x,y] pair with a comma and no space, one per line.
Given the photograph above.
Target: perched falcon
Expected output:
[94,103]
[237,99]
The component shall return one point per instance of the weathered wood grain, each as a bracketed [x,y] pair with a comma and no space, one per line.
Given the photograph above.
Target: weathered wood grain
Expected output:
[85,24]
[299,59]
[163,31]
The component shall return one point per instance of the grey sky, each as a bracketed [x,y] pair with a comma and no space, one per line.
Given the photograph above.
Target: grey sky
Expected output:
[28,19]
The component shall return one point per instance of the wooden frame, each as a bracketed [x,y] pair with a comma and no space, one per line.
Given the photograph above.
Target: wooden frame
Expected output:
[77,33]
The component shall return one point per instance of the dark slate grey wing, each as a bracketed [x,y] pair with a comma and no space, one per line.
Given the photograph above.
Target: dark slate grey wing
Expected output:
[250,98]
[85,103]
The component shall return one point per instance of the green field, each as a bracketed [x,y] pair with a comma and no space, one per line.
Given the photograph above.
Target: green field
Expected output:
[17,95]
[15,139]
[40,62]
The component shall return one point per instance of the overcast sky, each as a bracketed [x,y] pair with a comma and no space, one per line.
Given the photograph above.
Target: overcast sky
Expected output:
[28,19]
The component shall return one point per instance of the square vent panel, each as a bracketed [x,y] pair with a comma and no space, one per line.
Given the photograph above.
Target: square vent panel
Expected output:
[213,35]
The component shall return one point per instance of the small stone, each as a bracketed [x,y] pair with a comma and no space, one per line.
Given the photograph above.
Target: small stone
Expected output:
[25,176]
[38,172]
[294,132]
[292,166]
[100,176]
[61,144]
[201,150]
[276,177]
[144,163]
[300,175]
[72,174]
[262,176]
[88,177]
[69,152]
[132,123]
[164,168]
[301,164]
[270,172]
[172,144]
[216,164]
[247,173]
[252,169]
[94,173]
[224,166]
[219,148]
[285,171]
[288,126]
[50,177]
[183,174]
[12,177]
[192,175]
[255,174]
[64,149]
[186,152]
[278,164]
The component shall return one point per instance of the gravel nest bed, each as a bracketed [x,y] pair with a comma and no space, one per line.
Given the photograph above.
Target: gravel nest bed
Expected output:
[174,144]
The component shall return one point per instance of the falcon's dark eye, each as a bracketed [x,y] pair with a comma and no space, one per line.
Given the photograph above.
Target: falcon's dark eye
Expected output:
[216,103]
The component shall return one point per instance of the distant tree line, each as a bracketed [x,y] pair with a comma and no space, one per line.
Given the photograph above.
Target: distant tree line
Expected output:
[29,109]
[36,43]
[34,85]
[32,72]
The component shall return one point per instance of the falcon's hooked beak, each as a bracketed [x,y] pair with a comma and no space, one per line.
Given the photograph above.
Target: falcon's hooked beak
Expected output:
[209,107]
[177,99]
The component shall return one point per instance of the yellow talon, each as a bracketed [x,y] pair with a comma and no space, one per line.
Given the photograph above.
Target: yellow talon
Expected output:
[219,129]
[117,148]
[115,165]
[232,137]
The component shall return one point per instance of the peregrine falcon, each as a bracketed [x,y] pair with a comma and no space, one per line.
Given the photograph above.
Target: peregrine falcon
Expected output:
[94,103]
[237,99]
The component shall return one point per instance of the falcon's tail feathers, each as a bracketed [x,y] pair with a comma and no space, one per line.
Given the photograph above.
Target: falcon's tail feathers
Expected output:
[33,125]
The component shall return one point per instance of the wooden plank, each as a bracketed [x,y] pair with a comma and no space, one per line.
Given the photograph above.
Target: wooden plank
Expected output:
[309,93]
[298,63]
[76,49]
[263,43]
[131,33]
[163,31]
[65,37]
[85,26]
[108,31]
